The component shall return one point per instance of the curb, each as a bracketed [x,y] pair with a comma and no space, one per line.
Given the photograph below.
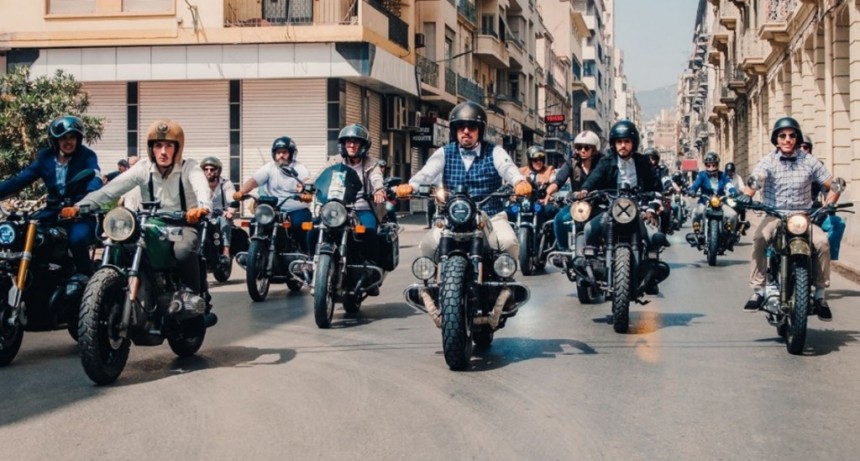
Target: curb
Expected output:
[848,270]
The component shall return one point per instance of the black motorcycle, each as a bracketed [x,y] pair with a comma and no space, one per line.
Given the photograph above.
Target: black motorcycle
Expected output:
[468,288]
[534,231]
[718,235]
[212,245]
[341,272]
[588,290]
[41,290]
[621,267]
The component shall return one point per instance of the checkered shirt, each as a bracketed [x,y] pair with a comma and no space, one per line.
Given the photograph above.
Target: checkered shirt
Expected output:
[788,185]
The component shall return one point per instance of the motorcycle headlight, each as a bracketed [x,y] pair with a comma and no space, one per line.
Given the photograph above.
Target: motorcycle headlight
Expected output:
[798,224]
[423,268]
[716,202]
[460,211]
[264,215]
[120,224]
[505,266]
[7,234]
[333,214]
[580,211]
[624,210]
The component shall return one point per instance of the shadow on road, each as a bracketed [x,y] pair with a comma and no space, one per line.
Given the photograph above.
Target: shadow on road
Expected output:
[371,313]
[505,351]
[823,342]
[644,322]
[839,294]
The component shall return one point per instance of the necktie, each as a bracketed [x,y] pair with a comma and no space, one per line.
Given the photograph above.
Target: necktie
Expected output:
[787,159]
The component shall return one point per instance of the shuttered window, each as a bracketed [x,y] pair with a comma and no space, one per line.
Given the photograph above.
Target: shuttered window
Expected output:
[108,100]
[147,6]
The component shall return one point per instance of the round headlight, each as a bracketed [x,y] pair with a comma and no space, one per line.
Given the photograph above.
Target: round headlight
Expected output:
[333,214]
[423,268]
[715,202]
[624,210]
[120,224]
[798,224]
[460,211]
[264,214]
[580,211]
[7,234]
[505,266]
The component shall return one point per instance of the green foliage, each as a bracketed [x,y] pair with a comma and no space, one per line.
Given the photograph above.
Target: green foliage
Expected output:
[27,107]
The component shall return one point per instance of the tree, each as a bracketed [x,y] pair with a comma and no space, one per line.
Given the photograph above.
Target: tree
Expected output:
[27,108]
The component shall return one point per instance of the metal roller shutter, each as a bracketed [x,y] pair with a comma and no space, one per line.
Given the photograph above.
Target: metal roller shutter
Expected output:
[375,128]
[291,107]
[108,100]
[353,103]
[201,107]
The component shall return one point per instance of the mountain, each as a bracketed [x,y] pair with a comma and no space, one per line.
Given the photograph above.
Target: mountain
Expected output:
[652,101]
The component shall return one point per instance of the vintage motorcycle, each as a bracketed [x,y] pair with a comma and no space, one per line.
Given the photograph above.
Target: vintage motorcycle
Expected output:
[718,235]
[468,288]
[622,267]
[790,268]
[212,246]
[586,279]
[534,232]
[680,211]
[340,272]
[37,273]
[136,296]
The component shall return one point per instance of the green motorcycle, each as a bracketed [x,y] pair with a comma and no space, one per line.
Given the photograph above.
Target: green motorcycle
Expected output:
[136,296]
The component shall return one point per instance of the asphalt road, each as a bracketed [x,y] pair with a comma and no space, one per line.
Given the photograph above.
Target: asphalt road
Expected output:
[696,378]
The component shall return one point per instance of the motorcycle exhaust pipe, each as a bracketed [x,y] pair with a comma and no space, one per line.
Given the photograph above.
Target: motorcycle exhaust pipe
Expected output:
[432,310]
[497,309]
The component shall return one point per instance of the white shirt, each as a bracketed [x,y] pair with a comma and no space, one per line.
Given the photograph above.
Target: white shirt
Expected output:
[627,171]
[224,189]
[432,171]
[277,184]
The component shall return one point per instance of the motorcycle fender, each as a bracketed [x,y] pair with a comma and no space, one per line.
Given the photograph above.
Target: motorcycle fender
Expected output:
[326,249]
[799,247]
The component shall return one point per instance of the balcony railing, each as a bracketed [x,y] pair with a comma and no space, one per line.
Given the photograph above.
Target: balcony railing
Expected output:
[450,81]
[250,13]
[428,70]
[470,90]
[778,10]
[467,9]
[398,30]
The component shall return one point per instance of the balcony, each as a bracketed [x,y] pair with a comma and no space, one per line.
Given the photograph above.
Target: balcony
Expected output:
[713,56]
[735,79]
[727,20]
[727,96]
[450,82]
[754,54]
[516,52]
[511,105]
[720,38]
[428,72]
[741,4]
[774,27]
[467,11]
[470,90]
[492,50]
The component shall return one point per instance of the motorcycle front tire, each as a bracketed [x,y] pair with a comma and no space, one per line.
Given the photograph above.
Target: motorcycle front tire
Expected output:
[103,352]
[524,235]
[621,288]
[193,334]
[713,242]
[797,318]
[10,340]
[255,270]
[456,324]
[323,291]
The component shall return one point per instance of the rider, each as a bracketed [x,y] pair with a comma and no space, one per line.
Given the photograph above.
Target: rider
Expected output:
[221,189]
[390,205]
[274,179]
[833,224]
[787,175]
[55,165]
[467,160]
[623,165]
[661,172]
[712,181]
[177,183]
[540,175]
[736,180]
[586,148]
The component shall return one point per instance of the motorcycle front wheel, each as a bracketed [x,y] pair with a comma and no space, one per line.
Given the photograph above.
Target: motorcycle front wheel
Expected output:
[796,334]
[621,290]
[10,338]
[713,242]
[103,352]
[524,235]
[223,268]
[323,291]
[456,324]
[255,270]
[193,332]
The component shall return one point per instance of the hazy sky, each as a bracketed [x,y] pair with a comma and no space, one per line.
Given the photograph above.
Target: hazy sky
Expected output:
[657,38]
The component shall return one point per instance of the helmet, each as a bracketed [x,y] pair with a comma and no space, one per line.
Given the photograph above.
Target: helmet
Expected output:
[212,161]
[676,177]
[354,131]
[783,123]
[536,152]
[166,130]
[285,142]
[652,154]
[467,112]
[62,126]
[625,129]
[712,157]
[807,140]
[730,167]
[588,138]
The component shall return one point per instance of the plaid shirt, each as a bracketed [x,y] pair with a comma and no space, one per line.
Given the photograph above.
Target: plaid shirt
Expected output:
[787,184]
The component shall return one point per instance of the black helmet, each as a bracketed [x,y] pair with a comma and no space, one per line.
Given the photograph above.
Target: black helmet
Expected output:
[354,131]
[212,161]
[624,129]
[807,140]
[652,154]
[711,157]
[730,167]
[64,125]
[783,123]
[676,177]
[285,142]
[465,113]
[536,152]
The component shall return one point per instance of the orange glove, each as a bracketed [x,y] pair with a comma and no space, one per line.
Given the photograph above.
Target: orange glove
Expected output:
[69,212]
[306,197]
[193,215]
[403,190]
[522,188]
[238,196]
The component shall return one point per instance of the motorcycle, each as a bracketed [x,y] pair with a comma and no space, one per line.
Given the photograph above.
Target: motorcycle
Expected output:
[588,290]
[212,246]
[136,295]
[622,267]
[37,273]
[790,268]
[719,235]
[534,232]
[272,248]
[680,211]
[468,288]
[340,272]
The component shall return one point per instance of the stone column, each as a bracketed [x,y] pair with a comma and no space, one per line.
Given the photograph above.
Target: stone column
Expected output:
[841,152]
[820,92]
[807,57]
[853,172]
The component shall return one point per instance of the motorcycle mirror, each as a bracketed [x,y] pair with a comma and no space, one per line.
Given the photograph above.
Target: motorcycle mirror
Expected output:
[234,204]
[754,183]
[309,187]
[78,184]
[424,189]
[393,181]
[837,185]
[289,171]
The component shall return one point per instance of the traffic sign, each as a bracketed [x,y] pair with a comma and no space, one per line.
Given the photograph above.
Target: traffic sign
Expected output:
[554,118]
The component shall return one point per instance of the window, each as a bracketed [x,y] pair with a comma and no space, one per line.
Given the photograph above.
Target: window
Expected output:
[71,6]
[147,6]
[109,7]
[589,68]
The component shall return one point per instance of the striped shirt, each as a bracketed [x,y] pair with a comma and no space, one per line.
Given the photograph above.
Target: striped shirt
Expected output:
[788,184]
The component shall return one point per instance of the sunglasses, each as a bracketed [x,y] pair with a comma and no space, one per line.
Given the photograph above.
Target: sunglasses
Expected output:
[538,159]
[468,126]
[787,135]
[210,168]
[805,147]
[708,165]
[581,147]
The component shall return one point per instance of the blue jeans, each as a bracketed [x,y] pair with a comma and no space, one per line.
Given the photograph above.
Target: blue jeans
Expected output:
[562,226]
[835,228]
[81,236]
[297,217]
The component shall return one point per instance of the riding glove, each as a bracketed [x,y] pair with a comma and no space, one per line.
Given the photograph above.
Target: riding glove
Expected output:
[68,212]
[193,215]
[403,190]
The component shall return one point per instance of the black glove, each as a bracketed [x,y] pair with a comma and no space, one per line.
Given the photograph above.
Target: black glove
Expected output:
[743,199]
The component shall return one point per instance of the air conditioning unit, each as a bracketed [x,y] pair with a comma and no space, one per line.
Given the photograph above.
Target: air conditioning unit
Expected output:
[395,113]
[413,119]
[419,40]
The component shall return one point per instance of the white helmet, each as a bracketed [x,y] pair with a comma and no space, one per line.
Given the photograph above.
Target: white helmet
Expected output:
[588,138]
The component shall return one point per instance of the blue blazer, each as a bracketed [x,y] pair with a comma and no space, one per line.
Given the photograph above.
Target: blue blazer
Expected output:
[45,168]
[703,182]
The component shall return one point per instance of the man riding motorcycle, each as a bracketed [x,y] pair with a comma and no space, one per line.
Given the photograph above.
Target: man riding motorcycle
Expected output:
[279,184]
[712,181]
[788,175]
[221,189]
[165,177]
[468,160]
[62,160]
[541,175]
[661,172]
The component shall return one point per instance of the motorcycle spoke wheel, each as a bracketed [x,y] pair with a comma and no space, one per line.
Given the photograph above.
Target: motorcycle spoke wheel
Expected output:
[103,352]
